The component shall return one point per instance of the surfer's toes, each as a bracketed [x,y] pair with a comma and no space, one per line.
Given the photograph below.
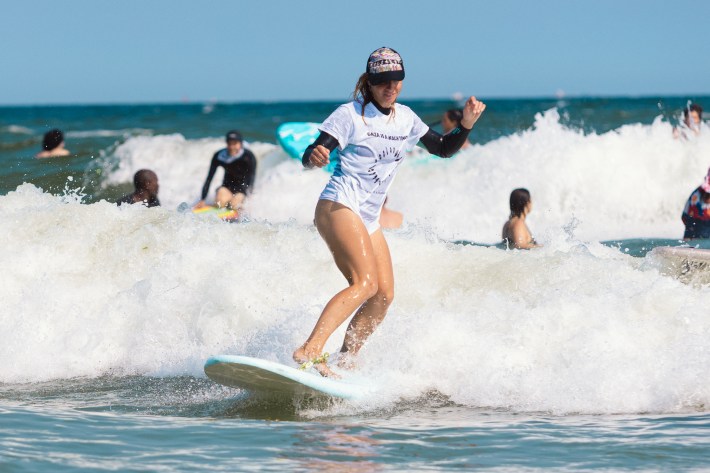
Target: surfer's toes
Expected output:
[299,356]
[318,363]
[325,371]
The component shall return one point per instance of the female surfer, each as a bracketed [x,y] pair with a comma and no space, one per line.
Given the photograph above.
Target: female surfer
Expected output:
[372,133]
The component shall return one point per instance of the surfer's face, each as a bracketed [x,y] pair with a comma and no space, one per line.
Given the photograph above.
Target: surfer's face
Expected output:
[385,94]
[233,147]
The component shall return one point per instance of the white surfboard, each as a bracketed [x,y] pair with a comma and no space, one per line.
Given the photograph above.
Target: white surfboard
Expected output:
[695,255]
[264,376]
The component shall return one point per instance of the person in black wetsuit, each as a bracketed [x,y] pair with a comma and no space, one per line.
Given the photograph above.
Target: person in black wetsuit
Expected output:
[239,171]
[146,186]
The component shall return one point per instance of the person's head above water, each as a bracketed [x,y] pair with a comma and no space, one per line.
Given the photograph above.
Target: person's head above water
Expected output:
[382,80]
[451,119]
[693,114]
[520,202]
[52,139]
[146,180]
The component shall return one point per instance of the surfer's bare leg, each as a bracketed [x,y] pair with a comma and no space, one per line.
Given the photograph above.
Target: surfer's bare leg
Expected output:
[226,198]
[224,195]
[351,246]
[236,201]
[373,311]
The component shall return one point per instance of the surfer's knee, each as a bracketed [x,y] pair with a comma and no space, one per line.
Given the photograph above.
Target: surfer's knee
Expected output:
[367,287]
[386,296]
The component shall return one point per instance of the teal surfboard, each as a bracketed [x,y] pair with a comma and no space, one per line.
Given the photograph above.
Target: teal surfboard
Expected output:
[269,377]
[295,137]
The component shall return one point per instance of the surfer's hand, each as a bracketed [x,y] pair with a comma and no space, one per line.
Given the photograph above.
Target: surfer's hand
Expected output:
[472,111]
[199,205]
[320,156]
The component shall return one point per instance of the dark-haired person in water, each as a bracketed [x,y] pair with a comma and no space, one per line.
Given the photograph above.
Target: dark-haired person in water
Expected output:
[452,119]
[696,214]
[372,133]
[53,145]
[515,231]
[146,186]
[692,122]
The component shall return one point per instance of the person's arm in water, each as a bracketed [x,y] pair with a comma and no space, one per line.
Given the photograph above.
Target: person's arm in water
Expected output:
[318,154]
[208,181]
[447,145]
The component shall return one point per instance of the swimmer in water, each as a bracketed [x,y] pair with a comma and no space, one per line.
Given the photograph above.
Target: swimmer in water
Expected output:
[53,145]
[146,186]
[692,122]
[452,119]
[515,231]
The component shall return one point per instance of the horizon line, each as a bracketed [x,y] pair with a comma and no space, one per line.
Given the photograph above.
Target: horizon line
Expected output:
[418,99]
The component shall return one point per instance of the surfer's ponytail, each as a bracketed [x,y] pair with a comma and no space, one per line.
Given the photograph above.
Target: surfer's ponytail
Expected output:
[362,92]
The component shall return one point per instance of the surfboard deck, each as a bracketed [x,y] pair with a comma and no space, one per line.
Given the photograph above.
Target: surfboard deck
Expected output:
[693,254]
[269,377]
[224,213]
[295,137]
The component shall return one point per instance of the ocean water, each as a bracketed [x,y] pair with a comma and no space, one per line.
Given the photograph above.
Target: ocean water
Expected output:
[590,353]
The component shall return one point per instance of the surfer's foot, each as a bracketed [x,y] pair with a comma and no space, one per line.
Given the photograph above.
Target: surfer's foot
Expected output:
[317,362]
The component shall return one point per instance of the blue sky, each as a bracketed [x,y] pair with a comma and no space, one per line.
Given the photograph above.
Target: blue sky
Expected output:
[96,51]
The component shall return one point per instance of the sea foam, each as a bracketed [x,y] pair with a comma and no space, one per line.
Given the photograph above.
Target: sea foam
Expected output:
[631,182]
[91,290]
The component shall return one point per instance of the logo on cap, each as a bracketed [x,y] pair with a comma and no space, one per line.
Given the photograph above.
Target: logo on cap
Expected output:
[385,64]
[234,136]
